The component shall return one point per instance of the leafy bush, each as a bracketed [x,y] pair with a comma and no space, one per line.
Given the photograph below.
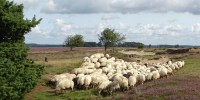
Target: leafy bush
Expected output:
[141,46]
[18,75]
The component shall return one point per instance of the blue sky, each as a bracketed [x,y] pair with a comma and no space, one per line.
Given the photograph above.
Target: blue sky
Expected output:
[146,21]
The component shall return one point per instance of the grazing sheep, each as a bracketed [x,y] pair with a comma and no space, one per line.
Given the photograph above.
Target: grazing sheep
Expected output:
[172,66]
[103,64]
[113,86]
[176,66]
[169,70]
[132,81]
[169,62]
[63,85]
[124,83]
[103,85]
[127,75]
[155,75]
[96,79]
[148,76]
[97,65]
[86,59]
[180,63]
[101,60]
[88,71]
[105,70]
[107,56]
[152,69]
[87,81]
[80,81]
[97,55]
[109,74]
[56,78]
[78,71]
[163,72]
[140,78]
[94,60]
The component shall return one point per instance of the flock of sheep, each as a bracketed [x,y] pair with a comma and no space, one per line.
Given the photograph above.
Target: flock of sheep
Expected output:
[109,74]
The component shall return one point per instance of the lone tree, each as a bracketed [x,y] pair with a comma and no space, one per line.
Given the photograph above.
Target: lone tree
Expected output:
[110,38]
[18,75]
[74,41]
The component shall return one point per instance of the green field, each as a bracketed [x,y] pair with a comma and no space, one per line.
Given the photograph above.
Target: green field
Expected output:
[185,84]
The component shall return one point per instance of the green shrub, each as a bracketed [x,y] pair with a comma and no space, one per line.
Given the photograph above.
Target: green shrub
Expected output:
[18,75]
[141,46]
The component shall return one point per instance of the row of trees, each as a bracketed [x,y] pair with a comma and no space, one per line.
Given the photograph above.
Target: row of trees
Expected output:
[18,75]
[107,38]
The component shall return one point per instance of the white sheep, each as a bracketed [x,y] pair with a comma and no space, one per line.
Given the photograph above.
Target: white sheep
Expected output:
[107,56]
[97,78]
[149,76]
[132,81]
[59,77]
[97,55]
[64,84]
[103,64]
[172,66]
[103,85]
[78,70]
[140,78]
[124,83]
[80,81]
[101,60]
[86,59]
[180,63]
[97,65]
[94,60]
[113,86]
[155,75]
[109,74]
[105,70]
[88,71]
[87,81]
[163,72]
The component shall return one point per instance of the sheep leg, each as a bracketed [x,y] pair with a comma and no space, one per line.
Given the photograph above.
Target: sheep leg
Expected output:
[72,88]
[56,92]
[142,83]
[99,92]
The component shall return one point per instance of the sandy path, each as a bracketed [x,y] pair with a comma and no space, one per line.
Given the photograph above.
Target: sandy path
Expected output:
[140,53]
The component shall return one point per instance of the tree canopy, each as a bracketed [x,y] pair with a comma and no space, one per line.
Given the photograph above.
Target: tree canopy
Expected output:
[110,38]
[13,26]
[18,75]
[74,41]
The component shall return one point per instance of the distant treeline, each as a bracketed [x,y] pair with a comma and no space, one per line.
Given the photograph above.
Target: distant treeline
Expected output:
[90,44]
[124,44]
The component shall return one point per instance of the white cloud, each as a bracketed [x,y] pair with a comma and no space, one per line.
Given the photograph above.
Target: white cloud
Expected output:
[121,6]
[196,28]
[109,17]
[27,3]
[64,27]
[37,30]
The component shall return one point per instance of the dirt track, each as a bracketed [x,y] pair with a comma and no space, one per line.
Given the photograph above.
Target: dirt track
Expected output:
[140,53]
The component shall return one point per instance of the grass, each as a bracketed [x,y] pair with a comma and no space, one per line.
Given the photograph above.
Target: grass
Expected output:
[61,65]
[192,67]
[69,95]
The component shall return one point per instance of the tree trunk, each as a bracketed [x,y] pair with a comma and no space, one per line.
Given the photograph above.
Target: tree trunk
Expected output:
[105,48]
[71,48]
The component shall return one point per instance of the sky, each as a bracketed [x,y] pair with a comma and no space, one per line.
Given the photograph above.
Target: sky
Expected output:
[147,21]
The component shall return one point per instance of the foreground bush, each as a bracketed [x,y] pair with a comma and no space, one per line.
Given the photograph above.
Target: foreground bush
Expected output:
[18,75]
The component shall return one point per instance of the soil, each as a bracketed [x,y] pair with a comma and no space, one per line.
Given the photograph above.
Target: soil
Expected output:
[140,53]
